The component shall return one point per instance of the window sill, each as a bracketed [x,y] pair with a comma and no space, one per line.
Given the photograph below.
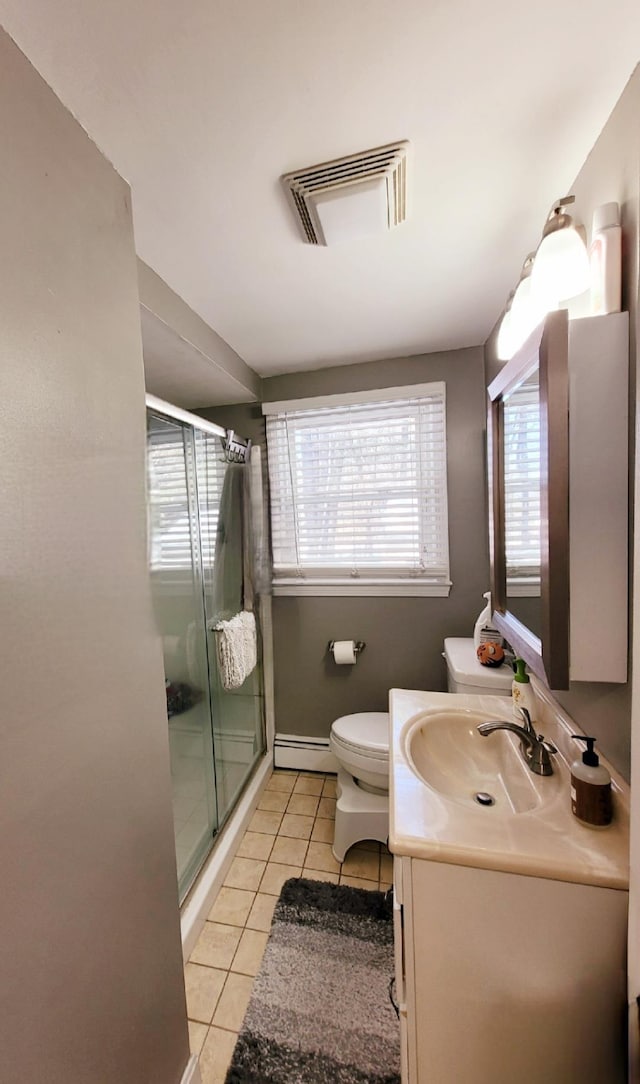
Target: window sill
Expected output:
[401,589]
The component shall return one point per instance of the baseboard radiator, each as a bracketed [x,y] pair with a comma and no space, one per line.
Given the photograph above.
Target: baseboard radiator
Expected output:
[304,754]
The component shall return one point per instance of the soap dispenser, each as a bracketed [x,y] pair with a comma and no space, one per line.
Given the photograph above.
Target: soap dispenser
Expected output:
[590,787]
[522,694]
[483,630]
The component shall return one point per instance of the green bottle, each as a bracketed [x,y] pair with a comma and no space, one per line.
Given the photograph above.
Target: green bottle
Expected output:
[522,695]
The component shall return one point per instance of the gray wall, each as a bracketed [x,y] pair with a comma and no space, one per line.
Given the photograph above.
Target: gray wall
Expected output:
[611,172]
[92,989]
[186,362]
[404,636]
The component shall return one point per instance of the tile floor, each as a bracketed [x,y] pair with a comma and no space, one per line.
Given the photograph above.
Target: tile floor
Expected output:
[289,836]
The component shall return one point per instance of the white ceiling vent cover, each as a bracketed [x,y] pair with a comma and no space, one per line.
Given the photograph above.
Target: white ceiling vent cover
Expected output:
[351,197]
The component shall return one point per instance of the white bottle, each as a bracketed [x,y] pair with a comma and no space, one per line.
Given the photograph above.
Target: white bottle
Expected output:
[522,695]
[605,258]
[483,630]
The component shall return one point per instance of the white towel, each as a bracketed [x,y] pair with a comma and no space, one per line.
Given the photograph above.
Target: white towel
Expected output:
[236,649]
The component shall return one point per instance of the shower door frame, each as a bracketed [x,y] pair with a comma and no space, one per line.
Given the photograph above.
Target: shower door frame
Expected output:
[185,417]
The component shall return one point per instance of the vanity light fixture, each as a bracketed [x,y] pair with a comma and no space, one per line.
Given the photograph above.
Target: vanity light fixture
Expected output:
[557,271]
[561,268]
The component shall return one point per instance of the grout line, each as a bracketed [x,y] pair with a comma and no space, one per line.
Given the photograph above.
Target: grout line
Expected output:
[212,967]
[221,1027]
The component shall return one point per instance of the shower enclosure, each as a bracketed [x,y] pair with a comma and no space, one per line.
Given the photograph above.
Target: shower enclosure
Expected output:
[202,562]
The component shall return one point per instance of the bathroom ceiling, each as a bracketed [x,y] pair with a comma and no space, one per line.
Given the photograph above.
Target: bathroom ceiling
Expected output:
[202,105]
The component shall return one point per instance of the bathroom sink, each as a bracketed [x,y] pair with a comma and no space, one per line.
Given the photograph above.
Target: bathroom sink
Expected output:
[438,763]
[488,774]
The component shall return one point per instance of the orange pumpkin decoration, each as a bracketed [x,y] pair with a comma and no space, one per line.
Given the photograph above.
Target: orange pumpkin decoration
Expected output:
[490,654]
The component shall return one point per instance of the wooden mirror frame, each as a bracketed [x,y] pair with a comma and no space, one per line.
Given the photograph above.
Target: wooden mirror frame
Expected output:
[548,349]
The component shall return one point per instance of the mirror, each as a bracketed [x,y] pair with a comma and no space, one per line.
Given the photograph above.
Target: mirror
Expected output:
[528,438]
[523,558]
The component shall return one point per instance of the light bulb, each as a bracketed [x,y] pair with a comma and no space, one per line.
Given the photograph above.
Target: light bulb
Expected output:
[505,340]
[527,310]
[561,268]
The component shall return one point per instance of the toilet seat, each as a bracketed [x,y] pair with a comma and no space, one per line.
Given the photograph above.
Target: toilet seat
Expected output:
[361,750]
[360,743]
[366,733]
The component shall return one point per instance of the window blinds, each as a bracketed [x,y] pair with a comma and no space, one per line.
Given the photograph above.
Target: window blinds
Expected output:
[359,489]
[522,484]
[175,497]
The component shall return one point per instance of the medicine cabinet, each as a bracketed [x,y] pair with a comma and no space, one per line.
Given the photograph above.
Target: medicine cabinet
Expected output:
[558,499]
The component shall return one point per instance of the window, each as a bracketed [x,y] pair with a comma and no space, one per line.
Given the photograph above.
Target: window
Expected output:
[359,493]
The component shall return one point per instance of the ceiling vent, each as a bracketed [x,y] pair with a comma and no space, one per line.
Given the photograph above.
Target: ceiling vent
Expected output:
[351,197]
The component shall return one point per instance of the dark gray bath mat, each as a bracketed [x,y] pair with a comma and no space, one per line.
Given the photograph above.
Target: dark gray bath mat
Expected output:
[320,1011]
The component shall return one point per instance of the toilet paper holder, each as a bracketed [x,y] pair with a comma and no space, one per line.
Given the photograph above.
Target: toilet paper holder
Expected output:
[357,647]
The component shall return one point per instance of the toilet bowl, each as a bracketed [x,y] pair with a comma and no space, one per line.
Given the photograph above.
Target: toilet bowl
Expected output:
[360,744]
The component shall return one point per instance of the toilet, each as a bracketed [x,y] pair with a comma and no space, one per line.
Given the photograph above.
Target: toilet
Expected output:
[360,744]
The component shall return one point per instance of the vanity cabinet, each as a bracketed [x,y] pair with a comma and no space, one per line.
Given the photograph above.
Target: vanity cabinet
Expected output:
[504,978]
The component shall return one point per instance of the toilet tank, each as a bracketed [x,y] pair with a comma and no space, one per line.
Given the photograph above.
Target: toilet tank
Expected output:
[466,675]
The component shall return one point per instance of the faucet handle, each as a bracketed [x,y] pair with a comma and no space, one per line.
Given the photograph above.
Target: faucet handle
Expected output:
[549,746]
[528,725]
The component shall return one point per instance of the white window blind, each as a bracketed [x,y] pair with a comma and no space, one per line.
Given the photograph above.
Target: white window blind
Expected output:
[170,462]
[359,488]
[522,484]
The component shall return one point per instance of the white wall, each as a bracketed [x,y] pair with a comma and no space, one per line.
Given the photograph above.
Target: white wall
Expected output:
[91,989]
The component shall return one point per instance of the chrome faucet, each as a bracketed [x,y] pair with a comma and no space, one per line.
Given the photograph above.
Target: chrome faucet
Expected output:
[536,752]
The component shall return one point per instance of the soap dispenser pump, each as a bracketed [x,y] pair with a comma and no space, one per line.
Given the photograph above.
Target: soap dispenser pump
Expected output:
[590,787]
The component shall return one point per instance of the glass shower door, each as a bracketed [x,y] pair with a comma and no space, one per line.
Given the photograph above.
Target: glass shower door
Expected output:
[177,588]
[227,545]
[200,560]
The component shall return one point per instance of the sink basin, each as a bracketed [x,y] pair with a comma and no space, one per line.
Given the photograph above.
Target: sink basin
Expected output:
[445,751]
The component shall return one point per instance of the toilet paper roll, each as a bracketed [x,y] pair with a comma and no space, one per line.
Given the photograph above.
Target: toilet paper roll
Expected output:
[344,652]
